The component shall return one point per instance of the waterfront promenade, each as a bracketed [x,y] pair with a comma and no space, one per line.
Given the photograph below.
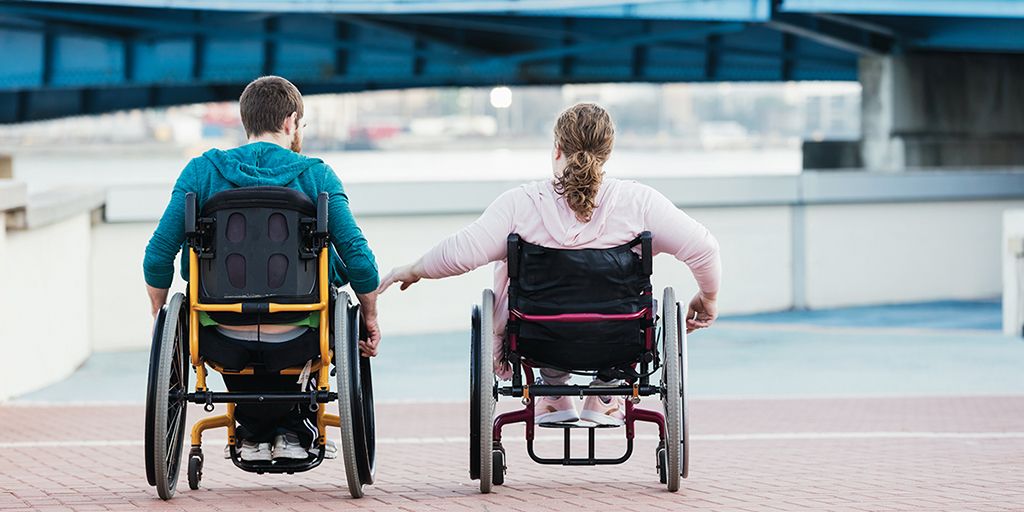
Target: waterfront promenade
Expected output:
[861,409]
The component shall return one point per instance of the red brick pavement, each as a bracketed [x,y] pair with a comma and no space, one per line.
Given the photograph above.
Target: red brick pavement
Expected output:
[839,454]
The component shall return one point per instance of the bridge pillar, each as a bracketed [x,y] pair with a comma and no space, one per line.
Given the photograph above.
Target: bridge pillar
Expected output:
[942,110]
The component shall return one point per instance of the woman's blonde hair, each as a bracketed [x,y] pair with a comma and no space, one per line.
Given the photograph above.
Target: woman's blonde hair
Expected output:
[584,133]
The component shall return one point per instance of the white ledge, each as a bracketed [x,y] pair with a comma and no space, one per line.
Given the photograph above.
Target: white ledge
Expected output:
[55,205]
[145,203]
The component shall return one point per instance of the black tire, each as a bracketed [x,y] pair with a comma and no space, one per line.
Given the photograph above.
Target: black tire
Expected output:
[343,364]
[355,398]
[195,469]
[662,465]
[154,368]
[498,467]
[482,399]
[671,383]
[165,403]
[684,460]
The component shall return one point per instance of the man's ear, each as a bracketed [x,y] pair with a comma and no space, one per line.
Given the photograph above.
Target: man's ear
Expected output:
[558,151]
[290,123]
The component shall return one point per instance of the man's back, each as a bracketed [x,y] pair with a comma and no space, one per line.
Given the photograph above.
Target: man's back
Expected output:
[262,164]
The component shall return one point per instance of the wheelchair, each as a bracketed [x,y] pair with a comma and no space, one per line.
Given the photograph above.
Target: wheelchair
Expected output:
[257,256]
[588,312]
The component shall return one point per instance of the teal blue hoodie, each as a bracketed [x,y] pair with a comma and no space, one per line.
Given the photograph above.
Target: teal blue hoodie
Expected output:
[253,165]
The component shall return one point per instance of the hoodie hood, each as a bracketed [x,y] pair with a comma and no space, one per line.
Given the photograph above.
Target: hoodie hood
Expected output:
[560,221]
[260,164]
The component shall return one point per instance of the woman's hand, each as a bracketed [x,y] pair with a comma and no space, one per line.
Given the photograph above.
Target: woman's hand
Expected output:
[406,274]
[702,312]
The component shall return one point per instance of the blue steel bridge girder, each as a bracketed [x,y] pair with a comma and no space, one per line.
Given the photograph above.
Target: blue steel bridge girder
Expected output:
[100,55]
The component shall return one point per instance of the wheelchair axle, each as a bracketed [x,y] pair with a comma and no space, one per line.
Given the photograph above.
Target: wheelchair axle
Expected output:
[574,390]
[210,397]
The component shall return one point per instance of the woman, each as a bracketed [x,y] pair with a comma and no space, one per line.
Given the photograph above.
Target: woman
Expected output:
[579,209]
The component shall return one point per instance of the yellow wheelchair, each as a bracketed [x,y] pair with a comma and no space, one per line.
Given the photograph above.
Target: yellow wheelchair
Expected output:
[257,256]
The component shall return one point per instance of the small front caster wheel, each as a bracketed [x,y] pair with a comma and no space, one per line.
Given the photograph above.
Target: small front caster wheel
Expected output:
[195,468]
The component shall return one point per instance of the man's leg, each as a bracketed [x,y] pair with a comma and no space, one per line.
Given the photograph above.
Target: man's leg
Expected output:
[259,422]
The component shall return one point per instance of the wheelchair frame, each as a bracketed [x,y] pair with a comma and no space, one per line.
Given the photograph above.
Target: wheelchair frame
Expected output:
[485,390]
[354,392]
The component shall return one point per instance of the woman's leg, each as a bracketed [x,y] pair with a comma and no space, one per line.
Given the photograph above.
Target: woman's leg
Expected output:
[553,377]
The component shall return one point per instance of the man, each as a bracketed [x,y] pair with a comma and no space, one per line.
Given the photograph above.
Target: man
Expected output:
[271,110]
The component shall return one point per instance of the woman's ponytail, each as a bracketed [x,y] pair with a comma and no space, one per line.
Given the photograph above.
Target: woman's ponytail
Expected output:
[585,134]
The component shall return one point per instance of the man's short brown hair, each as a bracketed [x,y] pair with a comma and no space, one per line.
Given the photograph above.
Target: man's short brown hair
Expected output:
[266,102]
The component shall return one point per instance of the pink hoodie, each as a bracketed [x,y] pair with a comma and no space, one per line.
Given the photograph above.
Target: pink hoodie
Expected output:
[542,217]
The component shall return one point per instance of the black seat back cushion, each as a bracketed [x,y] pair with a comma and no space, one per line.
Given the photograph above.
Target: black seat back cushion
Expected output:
[256,247]
[234,355]
[559,281]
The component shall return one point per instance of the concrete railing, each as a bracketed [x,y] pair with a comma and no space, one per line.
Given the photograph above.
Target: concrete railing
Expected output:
[820,239]
[45,278]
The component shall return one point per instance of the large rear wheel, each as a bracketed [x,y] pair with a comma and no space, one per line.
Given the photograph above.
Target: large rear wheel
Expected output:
[482,397]
[671,385]
[165,400]
[344,343]
[684,368]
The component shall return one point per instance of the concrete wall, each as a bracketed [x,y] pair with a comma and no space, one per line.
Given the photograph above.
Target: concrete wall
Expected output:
[44,332]
[922,110]
[119,315]
[903,252]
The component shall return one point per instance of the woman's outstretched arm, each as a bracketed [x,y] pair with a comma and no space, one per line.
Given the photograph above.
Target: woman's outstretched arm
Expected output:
[690,242]
[473,246]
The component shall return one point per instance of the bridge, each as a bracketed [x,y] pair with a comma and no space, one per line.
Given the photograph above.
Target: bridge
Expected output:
[64,59]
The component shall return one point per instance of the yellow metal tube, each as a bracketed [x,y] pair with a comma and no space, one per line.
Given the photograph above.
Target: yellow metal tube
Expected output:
[224,420]
[323,379]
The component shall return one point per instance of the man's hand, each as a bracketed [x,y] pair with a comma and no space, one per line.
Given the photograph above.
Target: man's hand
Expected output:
[702,312]
[406,274]
[157,298]
[368,306]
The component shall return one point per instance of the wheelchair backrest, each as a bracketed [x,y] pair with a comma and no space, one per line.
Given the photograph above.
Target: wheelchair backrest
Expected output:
[558,281]
[258,244]
[582,309]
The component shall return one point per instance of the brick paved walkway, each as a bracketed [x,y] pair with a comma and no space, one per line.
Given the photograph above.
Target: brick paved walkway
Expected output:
[839,454]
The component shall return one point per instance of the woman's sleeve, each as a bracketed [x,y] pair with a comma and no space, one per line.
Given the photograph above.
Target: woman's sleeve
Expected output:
[483,241]
[348,239]
[689,241]
[163,246]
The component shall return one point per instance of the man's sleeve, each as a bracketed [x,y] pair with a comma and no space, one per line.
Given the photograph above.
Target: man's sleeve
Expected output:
[348,239]
[158,264]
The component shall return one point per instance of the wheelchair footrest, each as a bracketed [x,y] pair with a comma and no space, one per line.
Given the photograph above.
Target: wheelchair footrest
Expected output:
[277,466]
[567,459]
[576,424]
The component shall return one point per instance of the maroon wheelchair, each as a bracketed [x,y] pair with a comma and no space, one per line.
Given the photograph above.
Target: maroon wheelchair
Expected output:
[589,312]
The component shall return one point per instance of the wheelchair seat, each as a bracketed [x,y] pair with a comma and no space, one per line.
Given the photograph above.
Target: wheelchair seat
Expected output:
[551,290]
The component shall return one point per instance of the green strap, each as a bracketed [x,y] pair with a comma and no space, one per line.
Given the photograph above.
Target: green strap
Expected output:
[312,320]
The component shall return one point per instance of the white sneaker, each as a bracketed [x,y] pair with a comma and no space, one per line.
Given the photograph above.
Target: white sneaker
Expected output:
[251,452]
[330,450]
[287,446]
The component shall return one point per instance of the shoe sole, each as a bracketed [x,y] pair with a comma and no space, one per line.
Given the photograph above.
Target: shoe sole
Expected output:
[262,458]
[601,419]
[298,454]
[557,417]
